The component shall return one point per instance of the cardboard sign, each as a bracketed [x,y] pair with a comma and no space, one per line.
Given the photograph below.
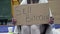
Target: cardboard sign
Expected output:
[53,0]
[55,7]
[31,14]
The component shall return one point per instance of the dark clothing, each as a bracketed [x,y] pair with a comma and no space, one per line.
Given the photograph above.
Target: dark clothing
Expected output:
[46,26]
[19,29]
[33,1]
[29,1]
[2,21]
